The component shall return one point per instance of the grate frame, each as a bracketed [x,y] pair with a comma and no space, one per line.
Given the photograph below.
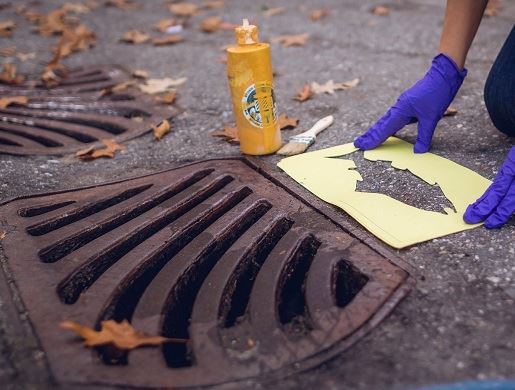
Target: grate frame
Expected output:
[76,115]
[393,283]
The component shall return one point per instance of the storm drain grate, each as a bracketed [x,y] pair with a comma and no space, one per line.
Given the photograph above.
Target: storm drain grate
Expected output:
[76,115]
[217,252]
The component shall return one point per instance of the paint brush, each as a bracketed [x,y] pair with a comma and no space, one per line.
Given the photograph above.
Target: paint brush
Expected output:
[300,142]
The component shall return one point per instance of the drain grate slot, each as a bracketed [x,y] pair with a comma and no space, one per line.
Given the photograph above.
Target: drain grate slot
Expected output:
[292,306]
[236,295]
[69,244]
[83,212]
[348,282]
[259,282]
[61,120]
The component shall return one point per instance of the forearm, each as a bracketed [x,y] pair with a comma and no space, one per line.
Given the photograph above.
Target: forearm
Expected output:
[462,18]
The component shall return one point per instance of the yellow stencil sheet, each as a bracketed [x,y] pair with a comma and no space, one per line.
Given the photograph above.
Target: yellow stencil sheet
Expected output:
[396,223]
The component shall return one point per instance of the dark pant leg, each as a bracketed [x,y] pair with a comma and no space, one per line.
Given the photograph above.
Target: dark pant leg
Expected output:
[500,88]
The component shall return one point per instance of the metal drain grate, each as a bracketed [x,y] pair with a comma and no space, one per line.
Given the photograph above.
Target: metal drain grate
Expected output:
[75,115]
[217,252]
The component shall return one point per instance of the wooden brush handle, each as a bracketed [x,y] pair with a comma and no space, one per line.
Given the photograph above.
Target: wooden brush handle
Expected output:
[321,125]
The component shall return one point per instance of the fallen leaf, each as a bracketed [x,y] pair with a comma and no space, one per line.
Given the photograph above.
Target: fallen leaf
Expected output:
[168,40]
[154,86]
[318,14]
[304,94]
[121,334]
[212,4]
[74,39]
[3,233]
[93,152]
[451,111]
[118,87]
[380,10]
[211,24]
[8,51]
[183,9]
[135,37]
[228,133]
[291,40]
[274,11]
[330,86]
[6,28]
[140,74]
[77,8]
[25,56]
[123,4]
[52,23]
[164,24]
[29,15]
[286,122]
[492,8]
[162,129]
[167,97]
[9,75]
[8,100]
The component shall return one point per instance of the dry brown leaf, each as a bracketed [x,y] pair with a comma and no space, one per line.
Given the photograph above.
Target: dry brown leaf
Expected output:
[74,39]
[8,51]
[123,4]
[228,133]
[118,87]
[155,86]
[77,8]
[212,4]
[3,233]
[274,11]
[121,334]
[492,8]
[8,100]
[183,9]
[381,10]
[52,23]
[167,98]
[135,37]
[211,24]
[451,111]
[286,122]
[162,129]
[292,40]
[93,152]
[304,94]
[9,75]
[168,40]
[29,15]
[6,28]
[140,74]
[330,86]
[25,56]
[164,24]
[318,14]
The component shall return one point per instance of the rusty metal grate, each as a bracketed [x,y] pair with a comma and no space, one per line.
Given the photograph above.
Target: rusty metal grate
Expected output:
[218,252]
[75,115]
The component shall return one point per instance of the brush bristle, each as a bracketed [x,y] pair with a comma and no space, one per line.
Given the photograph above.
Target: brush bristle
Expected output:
[292,148]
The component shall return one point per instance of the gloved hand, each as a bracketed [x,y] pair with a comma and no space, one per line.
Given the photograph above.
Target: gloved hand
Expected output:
[497,204]
[425,103]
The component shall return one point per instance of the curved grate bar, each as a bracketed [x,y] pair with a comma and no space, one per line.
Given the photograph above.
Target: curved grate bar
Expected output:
[76,114]
[260,283]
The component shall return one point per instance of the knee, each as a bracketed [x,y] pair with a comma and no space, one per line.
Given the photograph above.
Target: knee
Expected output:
[500,102]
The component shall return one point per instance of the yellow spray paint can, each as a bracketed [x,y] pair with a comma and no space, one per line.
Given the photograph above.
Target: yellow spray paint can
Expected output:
[249,69]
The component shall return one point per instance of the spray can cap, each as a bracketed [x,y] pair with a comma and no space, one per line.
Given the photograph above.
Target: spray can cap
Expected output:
[246,34]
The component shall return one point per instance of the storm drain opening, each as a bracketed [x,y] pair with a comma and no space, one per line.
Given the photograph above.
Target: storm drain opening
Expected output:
[76,113]
[257,281]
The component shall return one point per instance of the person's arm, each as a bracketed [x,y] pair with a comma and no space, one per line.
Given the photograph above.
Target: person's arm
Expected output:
[426,101]
[462,18]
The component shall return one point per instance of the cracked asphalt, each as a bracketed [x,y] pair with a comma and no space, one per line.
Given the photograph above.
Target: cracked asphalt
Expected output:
[458,323]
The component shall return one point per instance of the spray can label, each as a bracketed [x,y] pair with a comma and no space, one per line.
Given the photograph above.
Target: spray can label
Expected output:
[259,106]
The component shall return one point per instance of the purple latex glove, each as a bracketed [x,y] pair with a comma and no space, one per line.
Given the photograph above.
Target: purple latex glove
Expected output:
[425,103]
[497,204]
